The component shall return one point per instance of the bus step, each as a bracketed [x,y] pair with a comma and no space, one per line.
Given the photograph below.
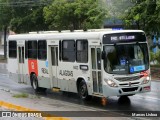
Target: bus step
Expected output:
[56,89]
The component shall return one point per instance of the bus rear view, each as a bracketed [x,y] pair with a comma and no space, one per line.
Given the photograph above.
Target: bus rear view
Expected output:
[126,64]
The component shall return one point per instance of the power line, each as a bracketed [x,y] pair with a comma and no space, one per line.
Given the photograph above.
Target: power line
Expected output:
[32,3]
[26,3]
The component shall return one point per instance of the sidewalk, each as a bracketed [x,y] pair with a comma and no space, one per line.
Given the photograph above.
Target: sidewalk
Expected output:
[3,67]
[36,103]
[24,105]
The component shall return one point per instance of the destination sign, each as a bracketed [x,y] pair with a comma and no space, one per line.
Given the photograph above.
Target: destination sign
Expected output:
[124,37]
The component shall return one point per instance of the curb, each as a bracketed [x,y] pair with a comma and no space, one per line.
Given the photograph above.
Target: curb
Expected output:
[14,107]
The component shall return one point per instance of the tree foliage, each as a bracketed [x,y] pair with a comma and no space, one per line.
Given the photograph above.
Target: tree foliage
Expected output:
[74,14]
[21,17]
[117,8]
[5,15]
[155,57]
[30,20]
[145,15]
[25,15]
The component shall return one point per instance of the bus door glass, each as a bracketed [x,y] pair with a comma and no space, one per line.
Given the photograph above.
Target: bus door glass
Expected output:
[96,69]
[54,60]
[21,64]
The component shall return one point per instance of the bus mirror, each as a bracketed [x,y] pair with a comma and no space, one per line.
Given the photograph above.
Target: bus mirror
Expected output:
[103,54]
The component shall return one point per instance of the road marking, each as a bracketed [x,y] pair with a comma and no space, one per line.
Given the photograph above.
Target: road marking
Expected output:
[11,106]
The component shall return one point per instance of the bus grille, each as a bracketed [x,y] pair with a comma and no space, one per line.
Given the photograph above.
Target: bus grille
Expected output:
[129,89]
[126,84]
[121,79]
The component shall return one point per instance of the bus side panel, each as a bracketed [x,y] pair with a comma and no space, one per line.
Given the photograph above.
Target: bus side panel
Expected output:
[43,74]
[13,69]
[82,74]
[26,73]
[65,75]
[69,74]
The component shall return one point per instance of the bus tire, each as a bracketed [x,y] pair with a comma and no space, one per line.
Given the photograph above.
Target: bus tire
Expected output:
[34,83]
[83,91]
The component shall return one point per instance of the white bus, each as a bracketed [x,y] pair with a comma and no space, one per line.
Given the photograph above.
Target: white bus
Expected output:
[94,63]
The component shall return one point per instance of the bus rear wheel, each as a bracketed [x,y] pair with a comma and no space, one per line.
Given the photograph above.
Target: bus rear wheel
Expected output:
[35,86]
[82,91]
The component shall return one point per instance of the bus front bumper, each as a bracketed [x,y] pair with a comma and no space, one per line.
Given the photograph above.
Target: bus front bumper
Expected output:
[130,90]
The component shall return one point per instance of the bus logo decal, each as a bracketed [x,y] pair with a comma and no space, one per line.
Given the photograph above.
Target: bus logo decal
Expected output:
[66,73]
[44,70]
[46,63]
[33,66]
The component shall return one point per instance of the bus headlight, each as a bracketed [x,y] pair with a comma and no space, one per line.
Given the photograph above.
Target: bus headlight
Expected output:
[145,81]
[111,83]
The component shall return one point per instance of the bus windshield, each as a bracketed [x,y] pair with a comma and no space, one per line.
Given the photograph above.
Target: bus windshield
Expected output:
[126,58]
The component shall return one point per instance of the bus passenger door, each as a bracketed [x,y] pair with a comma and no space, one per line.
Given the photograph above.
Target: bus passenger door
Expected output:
[21,66]
[54,60]
[96,69]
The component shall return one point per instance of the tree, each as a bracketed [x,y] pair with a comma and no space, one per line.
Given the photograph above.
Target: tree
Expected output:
[5,15]
[74,14]
[22,15]
[117,8]
[144,14]
[36,15]
[31,20]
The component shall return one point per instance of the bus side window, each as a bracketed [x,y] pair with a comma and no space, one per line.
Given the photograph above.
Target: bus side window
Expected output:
[82,51]
[32,49]
[60,50]
[12,49]
[93,55]
[42,50]
[99,58]
[26,49]
[68,50]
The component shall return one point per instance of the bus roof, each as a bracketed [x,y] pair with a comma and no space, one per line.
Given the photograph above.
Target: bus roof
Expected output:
[67,35]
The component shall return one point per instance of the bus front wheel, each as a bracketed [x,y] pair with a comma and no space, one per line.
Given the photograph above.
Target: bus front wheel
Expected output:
[82,91]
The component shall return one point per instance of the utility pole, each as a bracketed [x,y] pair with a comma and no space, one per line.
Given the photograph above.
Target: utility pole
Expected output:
[5,42]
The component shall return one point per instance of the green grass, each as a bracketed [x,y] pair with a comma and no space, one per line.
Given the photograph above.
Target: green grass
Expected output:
[35,96]
[21,95]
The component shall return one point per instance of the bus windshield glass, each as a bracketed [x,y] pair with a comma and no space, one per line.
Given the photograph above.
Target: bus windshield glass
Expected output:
[126,58]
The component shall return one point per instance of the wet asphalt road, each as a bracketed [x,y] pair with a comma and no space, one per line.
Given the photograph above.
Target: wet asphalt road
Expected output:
[140,102]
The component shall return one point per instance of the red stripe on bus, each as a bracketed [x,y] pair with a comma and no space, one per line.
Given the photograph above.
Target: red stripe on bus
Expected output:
[33,66]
